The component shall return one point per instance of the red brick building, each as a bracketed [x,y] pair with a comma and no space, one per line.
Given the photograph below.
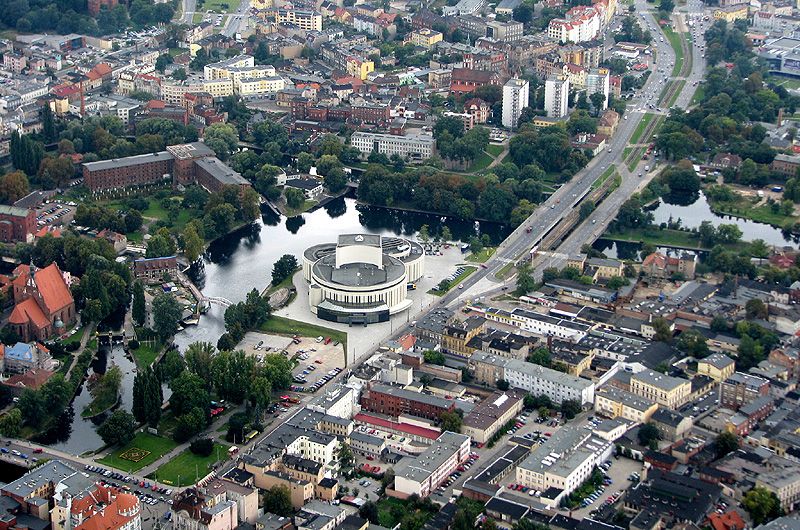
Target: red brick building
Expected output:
[464,81]
[43,303]
[394,401]
[16,224]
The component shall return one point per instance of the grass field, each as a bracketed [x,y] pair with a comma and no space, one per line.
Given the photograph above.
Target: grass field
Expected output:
[675,42]
[286,283]
[145,354]
[186,468]
[602,178]
[287,326]
[494,149]
[454,284]
[744,208]
[218,6]
[637,133]
[482,162]
[306,206]
[481,256]
[786,82]
[505,270]
[151,449]
[699,93]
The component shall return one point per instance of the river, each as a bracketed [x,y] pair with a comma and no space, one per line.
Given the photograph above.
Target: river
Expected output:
[691,216]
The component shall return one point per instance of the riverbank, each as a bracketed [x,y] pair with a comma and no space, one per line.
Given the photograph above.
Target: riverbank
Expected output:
[746,208]
[408,209]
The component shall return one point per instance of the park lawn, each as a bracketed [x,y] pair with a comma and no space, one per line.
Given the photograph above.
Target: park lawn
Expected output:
[306,206]
[145,354]
[76,337]
[197,18]
[219,6]
[482,162]
[504,271]
[286,283]
[640,127]
[744,208]
[174,52]
[494,149]
[785,82]
[156,445]
[482,256]
[287,326]
[186,468]
[135,237]
[458,279]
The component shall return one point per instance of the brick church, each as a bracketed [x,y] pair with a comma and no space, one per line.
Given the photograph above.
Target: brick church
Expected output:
[44,306]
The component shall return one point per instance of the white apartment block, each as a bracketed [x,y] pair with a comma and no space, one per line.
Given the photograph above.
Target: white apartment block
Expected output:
[173,93]
[423,474]
[419,147]
[599,81]
[260,85]
[322,453]
[515,98]
[538,323]
[341,401]
[222,69]
[219,88]
[564,461]
[556,385]
[556,96]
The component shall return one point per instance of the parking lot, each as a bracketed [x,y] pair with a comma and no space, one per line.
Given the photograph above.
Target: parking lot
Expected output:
[147,492]
[54,214]
[319,360]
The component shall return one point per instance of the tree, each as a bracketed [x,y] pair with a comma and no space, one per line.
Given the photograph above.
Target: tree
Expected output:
[540,356]
[502,384]
[294,198]
[424,234]
[447,235]
[756,309]
[199,357]
[147,397]
[166,315]
[523,13]
[648,433]
[278,501]
[525,280]
[433,357]
[726,442]
[663,333]
[32,407]
[11,423]
[762,505]
[305,161]
[13,186]
[283,268]
[202,447]
[693,343]
[369,511]
[222,138]
[570,408]
[138,310]
[451,421]
[118,429]
[192,243]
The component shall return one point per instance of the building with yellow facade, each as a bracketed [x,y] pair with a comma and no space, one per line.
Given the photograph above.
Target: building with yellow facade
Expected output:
[717,366]
[425,38]
[731,13]
[668,391]
[358,67]
[613,402]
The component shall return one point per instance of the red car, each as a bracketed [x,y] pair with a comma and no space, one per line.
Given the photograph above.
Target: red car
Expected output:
[37,450]
[370,458]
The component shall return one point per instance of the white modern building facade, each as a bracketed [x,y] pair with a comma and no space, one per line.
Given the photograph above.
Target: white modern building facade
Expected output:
[417,147]
[556,96]
[515,98]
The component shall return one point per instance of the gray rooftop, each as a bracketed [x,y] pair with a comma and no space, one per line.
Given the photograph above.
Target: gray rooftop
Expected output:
[420,468]
[221,172]
[718,360]
[548,374]
[573,446]
[659,380]
[100,165]
[359,274]
[52,472]
[362,240]
[411,395]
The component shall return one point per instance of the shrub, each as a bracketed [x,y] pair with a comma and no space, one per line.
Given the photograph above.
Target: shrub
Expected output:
[133,344]
[202,447]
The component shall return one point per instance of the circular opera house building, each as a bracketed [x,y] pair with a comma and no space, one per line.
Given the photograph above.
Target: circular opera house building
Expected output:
[362,278]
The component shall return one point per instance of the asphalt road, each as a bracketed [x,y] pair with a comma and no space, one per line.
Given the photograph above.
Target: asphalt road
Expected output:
[237,20]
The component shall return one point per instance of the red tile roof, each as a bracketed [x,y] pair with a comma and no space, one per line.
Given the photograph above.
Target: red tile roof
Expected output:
[51,285]
[33,379]
[29,311]
[727,521]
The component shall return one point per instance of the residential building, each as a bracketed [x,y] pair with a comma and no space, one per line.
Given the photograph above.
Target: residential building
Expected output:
[667,391]
[23,357]
[563,462]
[717,366]
[662,266]
[492,414]
[305,20]
[539,324]
[418,147]
[510,31]
[423,474]
[464,80]
[152,270]
[730,14]
[616,403]
[741,388]
[43,303]
[558,386]
[479,109]
[556,96]
[515,98]
[16,224]
[783,164]
[671,424]
[425,37]
[395,401]
[102,506]
[785,483]
[598,82]
[194,511]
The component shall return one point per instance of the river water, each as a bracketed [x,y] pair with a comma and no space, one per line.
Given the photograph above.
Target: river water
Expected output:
[691,216]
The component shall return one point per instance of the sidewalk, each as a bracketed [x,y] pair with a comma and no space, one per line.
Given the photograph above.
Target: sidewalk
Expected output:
[87,333]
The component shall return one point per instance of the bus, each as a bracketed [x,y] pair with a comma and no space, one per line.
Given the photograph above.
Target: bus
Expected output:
[250,436]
